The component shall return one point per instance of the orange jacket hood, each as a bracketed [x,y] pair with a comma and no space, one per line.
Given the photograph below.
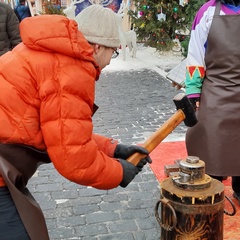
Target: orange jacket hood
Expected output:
[41,34]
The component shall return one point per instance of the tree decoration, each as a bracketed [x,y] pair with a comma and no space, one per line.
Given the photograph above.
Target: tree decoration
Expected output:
[175,15]
[158,22]
[183,2]
[161,16]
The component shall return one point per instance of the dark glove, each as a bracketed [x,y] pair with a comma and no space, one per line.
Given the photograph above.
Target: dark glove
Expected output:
[129,172]
[193,101]
[125,151]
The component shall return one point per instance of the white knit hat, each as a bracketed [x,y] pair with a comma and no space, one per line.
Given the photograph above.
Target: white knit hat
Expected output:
[99,25]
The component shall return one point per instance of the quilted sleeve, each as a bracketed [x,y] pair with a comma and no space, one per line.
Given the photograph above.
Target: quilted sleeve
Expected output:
[107,145]
[13,28]
[66,123]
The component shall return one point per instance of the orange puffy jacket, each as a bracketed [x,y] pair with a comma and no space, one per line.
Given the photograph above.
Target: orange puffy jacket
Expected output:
[47,88]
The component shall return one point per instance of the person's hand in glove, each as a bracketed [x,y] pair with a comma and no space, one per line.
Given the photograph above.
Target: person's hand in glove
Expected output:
[125,151]
[195,101]
[129,172]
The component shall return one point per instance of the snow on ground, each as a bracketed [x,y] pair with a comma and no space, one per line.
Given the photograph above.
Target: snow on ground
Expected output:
[146,58]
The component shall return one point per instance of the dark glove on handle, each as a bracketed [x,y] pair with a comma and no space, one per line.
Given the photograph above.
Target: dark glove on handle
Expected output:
[125,151]
[129,172]
[193,101]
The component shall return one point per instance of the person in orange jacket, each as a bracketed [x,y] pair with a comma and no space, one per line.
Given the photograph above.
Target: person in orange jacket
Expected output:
[47,87]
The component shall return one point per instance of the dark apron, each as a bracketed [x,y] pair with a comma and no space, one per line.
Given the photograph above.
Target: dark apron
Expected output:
[17,165]
[216,136]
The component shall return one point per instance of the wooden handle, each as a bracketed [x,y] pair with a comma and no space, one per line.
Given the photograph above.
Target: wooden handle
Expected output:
[153,141]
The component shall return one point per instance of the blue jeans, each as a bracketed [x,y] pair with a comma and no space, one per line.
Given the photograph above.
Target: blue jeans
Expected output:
[11,226]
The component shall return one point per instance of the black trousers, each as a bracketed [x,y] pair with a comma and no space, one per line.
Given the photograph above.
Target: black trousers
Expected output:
[11,226]
[235,183]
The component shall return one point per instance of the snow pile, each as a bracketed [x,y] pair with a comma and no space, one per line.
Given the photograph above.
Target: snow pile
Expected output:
[147,58]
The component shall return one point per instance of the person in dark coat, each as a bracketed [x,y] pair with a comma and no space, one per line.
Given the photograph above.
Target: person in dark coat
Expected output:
[213,86]
[9,29]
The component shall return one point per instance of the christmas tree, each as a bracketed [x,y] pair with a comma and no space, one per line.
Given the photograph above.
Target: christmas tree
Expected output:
[158,23]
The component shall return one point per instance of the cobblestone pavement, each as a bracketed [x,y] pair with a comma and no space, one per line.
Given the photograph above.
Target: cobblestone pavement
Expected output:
[132,105]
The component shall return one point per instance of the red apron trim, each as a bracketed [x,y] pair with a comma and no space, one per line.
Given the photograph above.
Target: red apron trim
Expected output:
[2,182]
